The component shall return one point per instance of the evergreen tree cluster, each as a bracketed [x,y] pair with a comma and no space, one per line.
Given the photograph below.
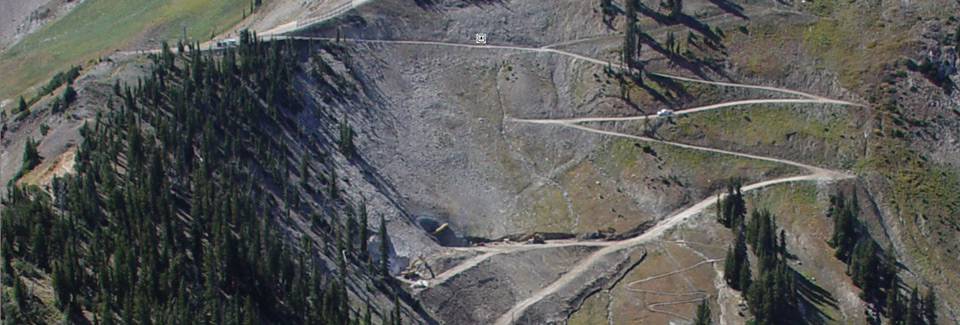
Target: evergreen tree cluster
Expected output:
[732,209]
[845,234]
[874,270]
[31,158]
[772,294]
[172,216]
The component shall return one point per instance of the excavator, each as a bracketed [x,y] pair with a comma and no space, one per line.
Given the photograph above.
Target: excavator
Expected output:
[417,269]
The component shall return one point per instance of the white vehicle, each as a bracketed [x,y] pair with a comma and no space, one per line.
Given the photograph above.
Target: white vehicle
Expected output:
[665,112]
[420,284]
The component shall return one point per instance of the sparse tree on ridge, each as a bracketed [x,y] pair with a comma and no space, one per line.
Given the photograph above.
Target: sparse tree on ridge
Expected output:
[703,314]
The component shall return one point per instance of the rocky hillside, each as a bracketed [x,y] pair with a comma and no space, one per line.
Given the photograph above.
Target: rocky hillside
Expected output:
[530,179]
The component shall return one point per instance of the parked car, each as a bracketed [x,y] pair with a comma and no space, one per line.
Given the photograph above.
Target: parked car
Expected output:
[665,112]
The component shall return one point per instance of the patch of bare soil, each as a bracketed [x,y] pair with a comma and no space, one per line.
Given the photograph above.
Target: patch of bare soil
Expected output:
[44,173]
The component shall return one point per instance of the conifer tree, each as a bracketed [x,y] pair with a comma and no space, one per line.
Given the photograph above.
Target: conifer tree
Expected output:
[844,215]
[31,158]
[913,308]
[894,306]
[303,170]
[346,138]
[703,314]
[367,316]
[364,232]
[865,269]
[606,7]
[332,188]
[889,268]
[930,308]
[384,246]
[731,274]
[745,277]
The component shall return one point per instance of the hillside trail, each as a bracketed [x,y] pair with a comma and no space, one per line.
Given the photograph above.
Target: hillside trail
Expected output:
[543,49]
[684,111]
[816,173]
[490,251]
[692,290]
[584,265]
[651,234]
[715,20]
[547,49]
[282,33]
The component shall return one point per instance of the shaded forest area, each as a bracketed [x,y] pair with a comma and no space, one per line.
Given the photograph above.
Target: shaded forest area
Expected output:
[179,207]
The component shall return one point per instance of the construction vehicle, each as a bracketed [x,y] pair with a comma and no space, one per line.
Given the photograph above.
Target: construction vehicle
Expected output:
[417,269]
[440,229]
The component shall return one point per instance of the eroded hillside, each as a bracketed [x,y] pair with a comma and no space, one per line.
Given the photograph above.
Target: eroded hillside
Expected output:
[565,196]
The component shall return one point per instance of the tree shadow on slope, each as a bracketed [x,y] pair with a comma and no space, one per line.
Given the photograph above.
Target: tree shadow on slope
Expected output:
[655,94]
[666,84]
[731,8]
[609,17]
[812,298]
[686,61]
[681,19]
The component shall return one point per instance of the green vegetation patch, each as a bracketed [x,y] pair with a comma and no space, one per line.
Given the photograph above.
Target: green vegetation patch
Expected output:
[719,166]
[97,27]
[852,39]
[923,198]
[616,155]
[592,311]
[550,212]
[773,125]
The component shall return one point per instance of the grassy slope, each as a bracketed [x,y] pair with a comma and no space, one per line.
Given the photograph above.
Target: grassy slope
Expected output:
[860,42]
[921,199]
[97,27]
[599,189]
[831,140]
